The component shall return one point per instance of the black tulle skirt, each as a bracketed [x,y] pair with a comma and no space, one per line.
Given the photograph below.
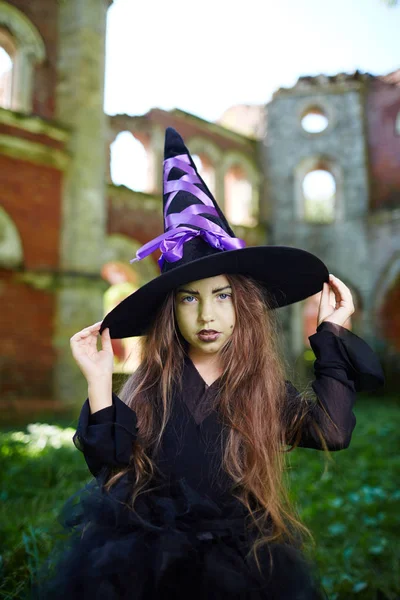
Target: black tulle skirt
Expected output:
[177,545]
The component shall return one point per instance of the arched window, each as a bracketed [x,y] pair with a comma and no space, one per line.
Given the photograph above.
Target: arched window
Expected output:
[23,44]
[314,120]
[319,196]
[206,170]
[7,68]
[239,207]
[129,162]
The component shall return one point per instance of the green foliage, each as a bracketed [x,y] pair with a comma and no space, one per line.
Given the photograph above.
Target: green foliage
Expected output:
[39,469]
[349,503]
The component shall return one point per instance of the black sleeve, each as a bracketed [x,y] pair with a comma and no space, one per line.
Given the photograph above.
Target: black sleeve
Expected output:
[345,364]
[106,437]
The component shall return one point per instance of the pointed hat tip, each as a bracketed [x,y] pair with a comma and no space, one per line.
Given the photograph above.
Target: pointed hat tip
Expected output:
[174,144]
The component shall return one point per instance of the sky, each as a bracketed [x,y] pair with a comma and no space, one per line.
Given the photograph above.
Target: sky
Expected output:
[204,57]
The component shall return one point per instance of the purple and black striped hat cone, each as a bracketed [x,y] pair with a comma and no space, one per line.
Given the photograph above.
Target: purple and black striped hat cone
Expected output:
[194,225]
[198,243]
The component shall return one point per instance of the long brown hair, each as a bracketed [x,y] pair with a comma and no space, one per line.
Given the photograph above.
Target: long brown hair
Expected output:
[251,404]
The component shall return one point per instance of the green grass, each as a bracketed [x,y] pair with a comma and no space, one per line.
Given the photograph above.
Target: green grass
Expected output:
[36,478]
[351,506]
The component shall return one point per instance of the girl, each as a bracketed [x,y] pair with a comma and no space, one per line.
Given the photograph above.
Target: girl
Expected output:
[189,497]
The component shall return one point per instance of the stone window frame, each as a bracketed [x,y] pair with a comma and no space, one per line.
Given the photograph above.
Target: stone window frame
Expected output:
[149,185]
[313,103]
[313,163]
[11,249]
[7,43]
[30,51]
[234,158]
[199,145]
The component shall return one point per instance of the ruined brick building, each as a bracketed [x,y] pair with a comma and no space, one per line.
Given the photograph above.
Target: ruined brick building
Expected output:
[67,232]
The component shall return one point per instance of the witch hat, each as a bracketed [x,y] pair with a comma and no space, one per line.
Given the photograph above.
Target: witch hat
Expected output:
[198,242]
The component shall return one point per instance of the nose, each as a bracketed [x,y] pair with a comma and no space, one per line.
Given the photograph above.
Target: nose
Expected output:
[205,312]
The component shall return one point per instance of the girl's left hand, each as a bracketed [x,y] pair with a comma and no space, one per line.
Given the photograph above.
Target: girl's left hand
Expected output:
[336,304]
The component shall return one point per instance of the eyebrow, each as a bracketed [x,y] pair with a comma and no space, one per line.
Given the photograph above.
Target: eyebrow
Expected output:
[194,293]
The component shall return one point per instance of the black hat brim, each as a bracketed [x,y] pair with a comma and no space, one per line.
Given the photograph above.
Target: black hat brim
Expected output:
[288,274]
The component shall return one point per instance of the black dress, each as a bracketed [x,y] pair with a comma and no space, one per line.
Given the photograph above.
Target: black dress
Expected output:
[187,538]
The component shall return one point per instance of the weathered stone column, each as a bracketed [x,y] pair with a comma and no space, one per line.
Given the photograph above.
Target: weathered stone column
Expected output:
[80,94]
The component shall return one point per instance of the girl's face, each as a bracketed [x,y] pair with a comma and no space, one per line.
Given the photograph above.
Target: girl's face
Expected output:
[205,304]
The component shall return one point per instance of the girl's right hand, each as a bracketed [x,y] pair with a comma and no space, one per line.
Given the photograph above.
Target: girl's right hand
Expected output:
[94,364]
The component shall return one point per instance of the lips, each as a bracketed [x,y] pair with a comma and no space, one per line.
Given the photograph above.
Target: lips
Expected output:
[207,331]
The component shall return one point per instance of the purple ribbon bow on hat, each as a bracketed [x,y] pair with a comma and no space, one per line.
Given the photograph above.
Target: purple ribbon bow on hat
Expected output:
[171,242]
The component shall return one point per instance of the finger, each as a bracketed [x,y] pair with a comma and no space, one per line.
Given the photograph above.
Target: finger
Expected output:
[342,292]
[333,299]
[91,329]
[334,278]
[345,298]
[324,304]
[322,293]
[326,296]
[337,298]
[338,284]
[81,335]
[336,288]
[322,296]
[106,341]
[329,298]
[339,288]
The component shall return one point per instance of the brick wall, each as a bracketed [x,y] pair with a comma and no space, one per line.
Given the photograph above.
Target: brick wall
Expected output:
[26,322]
[383,104]
[390,316]
[30,194]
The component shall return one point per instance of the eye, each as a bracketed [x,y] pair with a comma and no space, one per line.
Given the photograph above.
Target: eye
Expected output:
[226,296]
[186,298]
